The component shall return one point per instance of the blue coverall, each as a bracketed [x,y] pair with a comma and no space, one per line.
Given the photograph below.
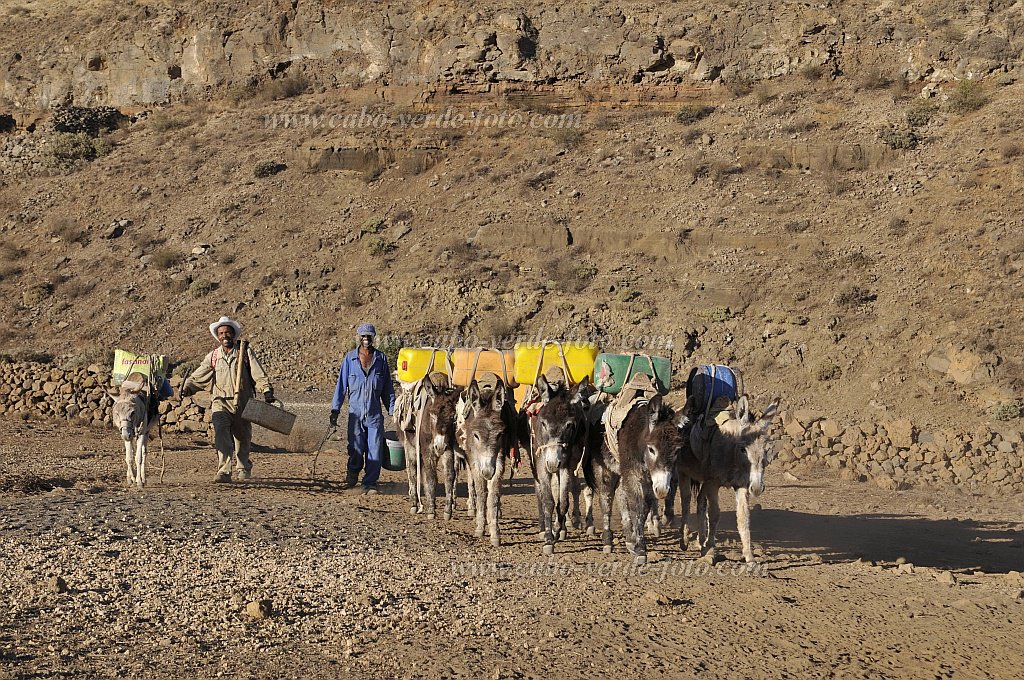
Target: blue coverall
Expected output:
[366,390]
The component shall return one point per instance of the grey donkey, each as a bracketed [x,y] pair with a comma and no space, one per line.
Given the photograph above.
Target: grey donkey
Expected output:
[733,454]
[649,442]
[490,433]
[557,434]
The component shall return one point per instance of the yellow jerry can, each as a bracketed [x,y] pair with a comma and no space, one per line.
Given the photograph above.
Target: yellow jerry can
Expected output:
[416,362]
[471,363]
[535,358]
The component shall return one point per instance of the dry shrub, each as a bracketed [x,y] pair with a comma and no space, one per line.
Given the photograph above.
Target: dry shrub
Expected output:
[167,257]
[872,78]
[968,96]
[76,287]
[741,87]
[920,113]
[541,180]
[813,72]
[571,274]
[568,137]
[164,121]
[1010,150]
[854,296]
[688,114]
[284,88]
[69,231]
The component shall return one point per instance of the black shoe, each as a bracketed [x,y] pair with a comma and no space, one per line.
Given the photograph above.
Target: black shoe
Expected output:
[371,490]
[350,481]
[222,478]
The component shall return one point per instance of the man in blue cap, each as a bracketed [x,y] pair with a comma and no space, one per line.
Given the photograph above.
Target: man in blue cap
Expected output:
[365,378]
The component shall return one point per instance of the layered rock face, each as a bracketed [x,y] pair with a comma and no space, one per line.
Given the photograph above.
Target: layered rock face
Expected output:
[139,56]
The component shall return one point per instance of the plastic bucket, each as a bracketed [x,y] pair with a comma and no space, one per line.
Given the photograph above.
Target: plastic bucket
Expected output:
[394,454]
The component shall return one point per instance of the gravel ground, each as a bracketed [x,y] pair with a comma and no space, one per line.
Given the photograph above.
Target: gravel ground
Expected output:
[282,576]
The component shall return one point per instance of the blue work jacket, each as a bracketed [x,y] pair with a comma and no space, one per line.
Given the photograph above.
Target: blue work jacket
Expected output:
[365,391]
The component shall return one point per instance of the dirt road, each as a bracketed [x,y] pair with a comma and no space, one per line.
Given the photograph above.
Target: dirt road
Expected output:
[102,581]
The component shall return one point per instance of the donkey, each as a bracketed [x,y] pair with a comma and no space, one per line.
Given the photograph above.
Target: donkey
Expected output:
[490,431]
[435,445]
[649,442]
[558,432]
[734,455]
[134,418]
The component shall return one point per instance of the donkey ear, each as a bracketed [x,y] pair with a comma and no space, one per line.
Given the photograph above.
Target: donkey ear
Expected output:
[544,388]
[473,394]
[683,421]
[579,395]
[765,422]
[743,410]
[654,411]
[498,401]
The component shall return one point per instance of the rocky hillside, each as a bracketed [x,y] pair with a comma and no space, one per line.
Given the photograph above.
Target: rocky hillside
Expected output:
[825,196]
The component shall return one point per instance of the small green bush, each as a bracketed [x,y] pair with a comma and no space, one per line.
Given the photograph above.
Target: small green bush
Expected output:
[373,225]
[920,113]
[35,294]
[898,138]
[380,246]
[717,314]
[966,97]
[1008,410]
[688,114]
[584,272]
[67,149]
[199,288]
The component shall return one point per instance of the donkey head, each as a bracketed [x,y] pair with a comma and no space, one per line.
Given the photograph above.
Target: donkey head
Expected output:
[560,422]
[487,428]
[753,438]
[129,414]
[661,441]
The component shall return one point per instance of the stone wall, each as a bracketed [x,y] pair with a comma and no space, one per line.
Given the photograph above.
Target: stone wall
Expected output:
[34,390]
[898,454]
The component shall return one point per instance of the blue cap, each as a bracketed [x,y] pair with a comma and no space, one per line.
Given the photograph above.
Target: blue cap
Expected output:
[366,329]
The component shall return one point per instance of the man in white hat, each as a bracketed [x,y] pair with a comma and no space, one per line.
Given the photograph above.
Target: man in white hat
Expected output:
[217,374]
[365,378]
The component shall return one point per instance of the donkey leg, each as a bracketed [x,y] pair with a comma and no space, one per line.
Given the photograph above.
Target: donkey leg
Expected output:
[546,507]
[480,503]
[574,489]
[129,461]
[494,505]
[714,513]
[743,523]
[684,514]
[702,516]
[634,511]
[448,471]
[606,491]
[430,484]
[140,460]
[563,503]
[470,492]
[669,511]
[588,504]
[410,474]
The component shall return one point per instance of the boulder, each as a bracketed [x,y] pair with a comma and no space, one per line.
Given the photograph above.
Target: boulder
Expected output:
[900,433]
